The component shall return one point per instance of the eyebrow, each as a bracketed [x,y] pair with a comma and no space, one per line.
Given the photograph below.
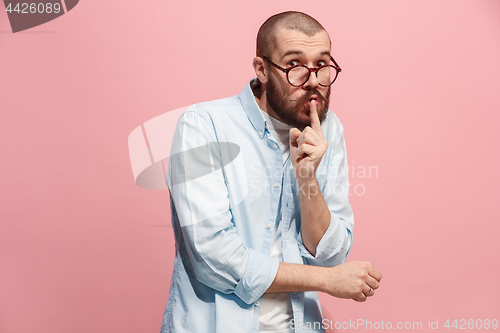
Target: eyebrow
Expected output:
[300,53]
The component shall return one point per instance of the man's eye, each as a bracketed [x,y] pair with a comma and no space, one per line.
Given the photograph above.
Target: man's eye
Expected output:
[321,63]
[293,63]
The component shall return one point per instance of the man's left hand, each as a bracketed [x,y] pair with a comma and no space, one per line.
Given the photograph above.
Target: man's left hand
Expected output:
[307,147]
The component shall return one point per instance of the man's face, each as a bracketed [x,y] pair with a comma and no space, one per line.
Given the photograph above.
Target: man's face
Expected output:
[292,104]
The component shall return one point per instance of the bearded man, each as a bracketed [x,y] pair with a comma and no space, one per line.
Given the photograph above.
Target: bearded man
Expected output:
[269,224]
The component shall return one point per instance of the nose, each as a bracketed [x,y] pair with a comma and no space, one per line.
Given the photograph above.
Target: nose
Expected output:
[312,82]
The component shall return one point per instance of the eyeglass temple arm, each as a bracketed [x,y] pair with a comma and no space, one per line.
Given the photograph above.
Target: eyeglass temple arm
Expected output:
[336,65]
[276,66]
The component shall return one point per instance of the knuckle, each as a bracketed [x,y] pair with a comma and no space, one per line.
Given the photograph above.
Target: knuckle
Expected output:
[358,296]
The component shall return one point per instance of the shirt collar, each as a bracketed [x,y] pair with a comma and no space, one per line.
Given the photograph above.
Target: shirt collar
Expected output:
[252,109]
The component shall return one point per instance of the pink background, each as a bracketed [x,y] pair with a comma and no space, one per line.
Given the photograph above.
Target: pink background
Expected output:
[84,249]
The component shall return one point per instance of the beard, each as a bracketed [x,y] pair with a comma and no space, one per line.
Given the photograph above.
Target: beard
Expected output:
[291,112]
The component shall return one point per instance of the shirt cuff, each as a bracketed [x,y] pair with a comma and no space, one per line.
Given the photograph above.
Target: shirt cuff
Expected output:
[332,248]
[260,272]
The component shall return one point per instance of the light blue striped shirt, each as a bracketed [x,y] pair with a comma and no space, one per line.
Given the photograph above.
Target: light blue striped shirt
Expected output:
[229,187]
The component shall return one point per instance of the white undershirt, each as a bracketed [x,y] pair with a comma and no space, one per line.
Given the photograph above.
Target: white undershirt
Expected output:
[276,308]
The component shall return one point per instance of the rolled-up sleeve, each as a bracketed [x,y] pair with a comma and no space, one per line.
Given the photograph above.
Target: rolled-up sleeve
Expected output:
[197,181]
[335,245]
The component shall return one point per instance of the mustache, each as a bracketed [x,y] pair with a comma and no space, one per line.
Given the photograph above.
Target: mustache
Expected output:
[308,95]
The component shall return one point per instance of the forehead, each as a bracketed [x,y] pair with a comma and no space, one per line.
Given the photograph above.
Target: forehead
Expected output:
[296,42]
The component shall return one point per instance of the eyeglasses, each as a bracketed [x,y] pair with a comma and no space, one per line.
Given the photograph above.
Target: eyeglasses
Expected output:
[299,74]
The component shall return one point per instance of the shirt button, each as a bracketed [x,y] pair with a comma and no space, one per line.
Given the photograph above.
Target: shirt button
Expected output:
[276,185]
[275,146]
[260,133]
[269,226]
[257,303]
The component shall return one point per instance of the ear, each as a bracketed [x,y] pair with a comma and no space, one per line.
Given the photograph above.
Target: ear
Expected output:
[260,69]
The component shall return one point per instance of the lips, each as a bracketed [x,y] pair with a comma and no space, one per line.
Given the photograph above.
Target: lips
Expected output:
[312,98]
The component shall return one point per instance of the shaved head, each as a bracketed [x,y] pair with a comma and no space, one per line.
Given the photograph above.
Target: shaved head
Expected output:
[266,37]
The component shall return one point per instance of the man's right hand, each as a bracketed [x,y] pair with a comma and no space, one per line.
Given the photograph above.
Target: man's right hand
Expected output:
[355,279]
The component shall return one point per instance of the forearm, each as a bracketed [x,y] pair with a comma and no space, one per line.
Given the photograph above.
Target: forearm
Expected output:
[314,213]
[296,277]
[356,279]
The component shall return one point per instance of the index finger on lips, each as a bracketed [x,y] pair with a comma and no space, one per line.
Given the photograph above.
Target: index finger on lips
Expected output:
[315,123]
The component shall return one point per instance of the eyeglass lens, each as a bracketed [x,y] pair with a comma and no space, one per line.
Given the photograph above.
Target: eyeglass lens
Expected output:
[298,75]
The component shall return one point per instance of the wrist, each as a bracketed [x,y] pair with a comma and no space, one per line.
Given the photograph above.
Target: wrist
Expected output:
[307,181]
[319,278]
[305,172]
[308,188]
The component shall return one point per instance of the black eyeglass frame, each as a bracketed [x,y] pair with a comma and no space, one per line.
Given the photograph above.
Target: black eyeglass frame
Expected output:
[315,70]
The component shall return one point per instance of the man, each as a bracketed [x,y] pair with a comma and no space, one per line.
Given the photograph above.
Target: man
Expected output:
[259,196]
